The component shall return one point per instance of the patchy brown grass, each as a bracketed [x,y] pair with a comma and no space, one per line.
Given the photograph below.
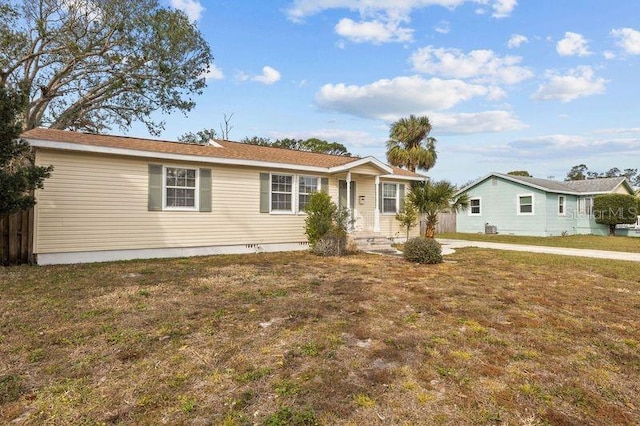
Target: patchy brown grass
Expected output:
[593,242]
[487,337]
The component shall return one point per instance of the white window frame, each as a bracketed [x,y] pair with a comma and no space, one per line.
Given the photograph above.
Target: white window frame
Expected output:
[397,198]
[293,193]
[298,193]
[196,190]
[471,213]
[518,205]
[585,206]
[562,206]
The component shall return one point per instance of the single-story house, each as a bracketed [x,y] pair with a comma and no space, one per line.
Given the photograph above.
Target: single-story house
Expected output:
[114,197]
[519,205]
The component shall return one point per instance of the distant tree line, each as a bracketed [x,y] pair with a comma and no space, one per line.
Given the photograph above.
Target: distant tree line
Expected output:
[310,145]
[582,172]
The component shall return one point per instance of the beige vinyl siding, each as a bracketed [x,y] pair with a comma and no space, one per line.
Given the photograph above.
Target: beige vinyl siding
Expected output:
[99,202]
[367,169]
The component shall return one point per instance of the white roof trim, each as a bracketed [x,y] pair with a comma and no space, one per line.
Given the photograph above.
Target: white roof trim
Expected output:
[518,181]
[68,146]
[360,162]
[402,177]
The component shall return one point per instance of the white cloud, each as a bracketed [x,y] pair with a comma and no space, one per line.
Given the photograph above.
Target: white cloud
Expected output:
[573,44]
[443,27]
[484,65]
[389,99]
[479,122]
[373,31]
[503,8]
[608,54]
[269,75]
[301,9]
[192,8]
[578,82]
[628,39]
[214,73]
[517,40]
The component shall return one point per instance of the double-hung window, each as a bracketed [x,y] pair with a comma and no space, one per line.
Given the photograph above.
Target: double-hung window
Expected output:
[390,198]
[585,205]
[180,188]
[281,193]
[307,185]
[562,205]
[525,204]
[474,207]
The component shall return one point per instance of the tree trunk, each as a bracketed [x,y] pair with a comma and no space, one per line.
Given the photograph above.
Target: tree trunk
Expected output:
[612,230]
[430,231]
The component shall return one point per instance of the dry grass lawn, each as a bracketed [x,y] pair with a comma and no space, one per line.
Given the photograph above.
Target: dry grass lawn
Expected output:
[593,242]
[488,337]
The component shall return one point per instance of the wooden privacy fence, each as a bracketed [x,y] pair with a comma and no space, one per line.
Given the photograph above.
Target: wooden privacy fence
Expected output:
[446,223]
[16,236]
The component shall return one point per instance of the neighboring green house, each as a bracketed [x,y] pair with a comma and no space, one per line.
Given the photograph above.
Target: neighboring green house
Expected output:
[520,205]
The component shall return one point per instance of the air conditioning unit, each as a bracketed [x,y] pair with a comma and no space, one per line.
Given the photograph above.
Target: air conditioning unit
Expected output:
[490,229]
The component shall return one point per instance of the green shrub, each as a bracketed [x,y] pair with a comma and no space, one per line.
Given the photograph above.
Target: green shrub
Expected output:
[423,250]
[326,226]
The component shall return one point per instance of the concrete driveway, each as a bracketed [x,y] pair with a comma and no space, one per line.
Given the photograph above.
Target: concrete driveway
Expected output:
[449,246]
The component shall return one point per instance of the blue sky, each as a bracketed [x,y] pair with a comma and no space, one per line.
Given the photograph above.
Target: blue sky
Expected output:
[508,85]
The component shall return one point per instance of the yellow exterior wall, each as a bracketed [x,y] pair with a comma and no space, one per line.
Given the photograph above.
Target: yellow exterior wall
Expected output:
[95,202]
[99,202]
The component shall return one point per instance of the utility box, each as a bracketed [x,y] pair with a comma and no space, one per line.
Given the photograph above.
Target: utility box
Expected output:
[490,229]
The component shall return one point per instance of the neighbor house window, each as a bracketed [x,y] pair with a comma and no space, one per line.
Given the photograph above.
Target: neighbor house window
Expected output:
[307,185]
[474,206]
[585,205]
[525,204]
[281,193]
[389,198]
[180,188]
[562,202]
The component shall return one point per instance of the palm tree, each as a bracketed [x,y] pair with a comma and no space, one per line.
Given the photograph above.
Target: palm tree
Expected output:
[432,198]
[409,144]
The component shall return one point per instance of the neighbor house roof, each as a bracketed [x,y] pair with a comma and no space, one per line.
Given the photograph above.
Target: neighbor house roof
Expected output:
[576,187]
[221,151]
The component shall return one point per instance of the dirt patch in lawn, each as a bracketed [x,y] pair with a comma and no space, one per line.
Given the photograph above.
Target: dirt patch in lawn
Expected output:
[298,339]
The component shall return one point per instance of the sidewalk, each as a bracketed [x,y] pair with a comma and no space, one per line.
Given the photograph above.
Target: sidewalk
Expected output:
[449,246]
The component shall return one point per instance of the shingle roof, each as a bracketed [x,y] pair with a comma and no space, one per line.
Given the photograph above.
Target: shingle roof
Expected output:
[226,149]
[596,185]
[589,186]
[550,185]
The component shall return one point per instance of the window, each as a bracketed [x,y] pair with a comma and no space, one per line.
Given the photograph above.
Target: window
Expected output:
[474,206]
[561,205]
[307,185]
[389,198]
[282,193]
[525,204]
[180,188]
[585,205]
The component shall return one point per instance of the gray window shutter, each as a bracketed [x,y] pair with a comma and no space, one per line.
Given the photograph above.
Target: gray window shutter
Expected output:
[380,196]
[401,194]
[205,190]
[264,192]
[155,188]
[324,185]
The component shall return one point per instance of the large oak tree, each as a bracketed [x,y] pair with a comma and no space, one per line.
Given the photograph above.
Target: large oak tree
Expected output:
[94,64]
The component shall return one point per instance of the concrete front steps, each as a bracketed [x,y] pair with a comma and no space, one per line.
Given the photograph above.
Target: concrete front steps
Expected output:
[372,242]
